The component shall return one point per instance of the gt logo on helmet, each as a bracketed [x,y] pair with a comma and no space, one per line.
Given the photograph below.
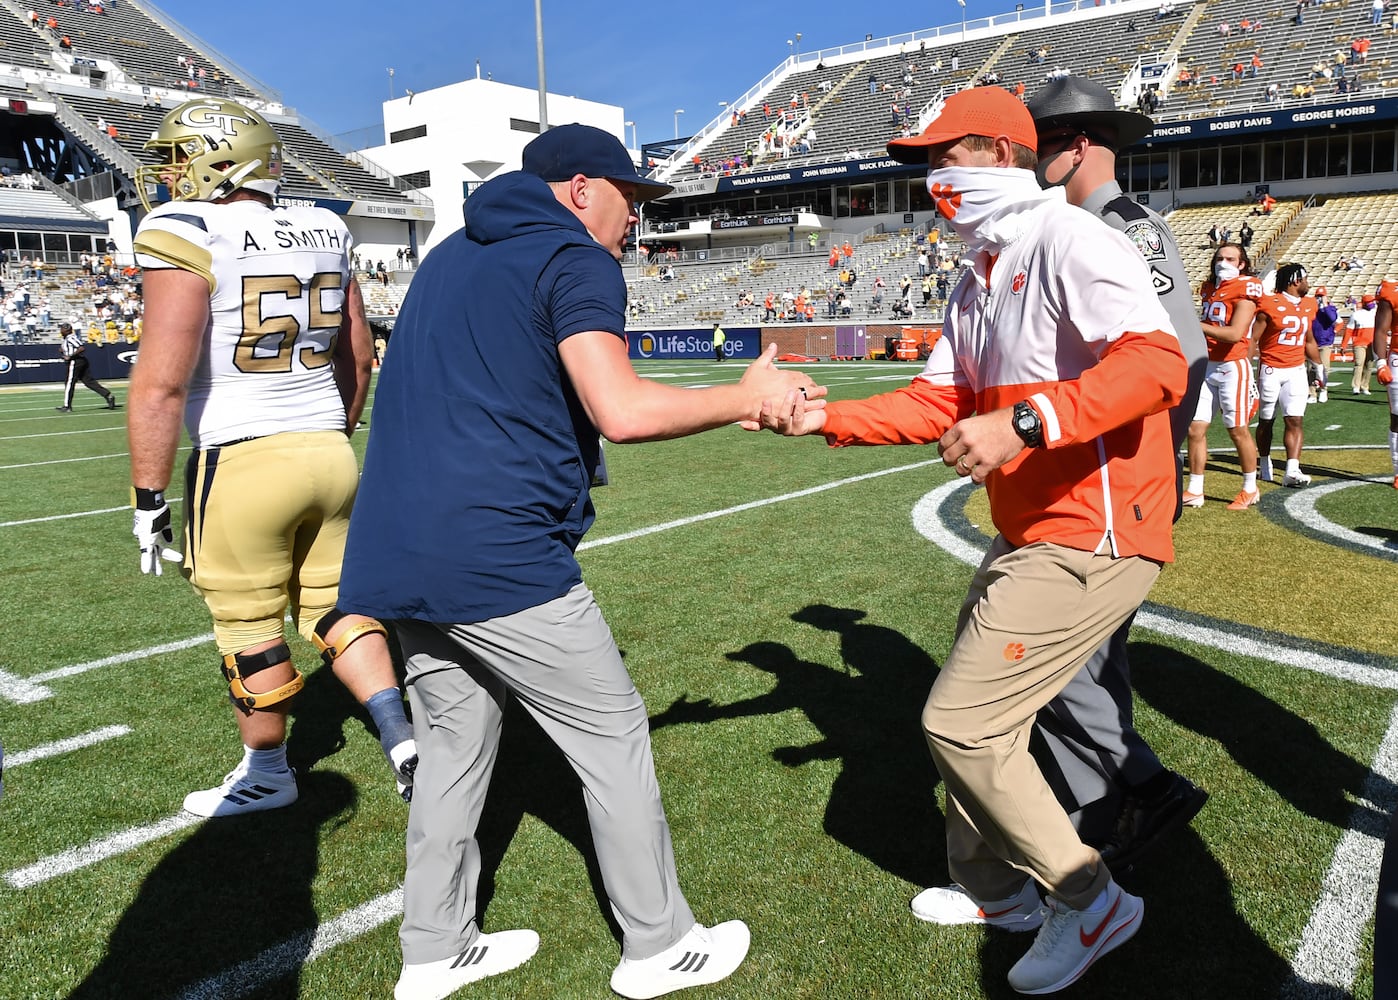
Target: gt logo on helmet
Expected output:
[201,115]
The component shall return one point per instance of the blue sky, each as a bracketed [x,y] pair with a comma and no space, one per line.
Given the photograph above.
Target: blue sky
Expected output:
[330,61]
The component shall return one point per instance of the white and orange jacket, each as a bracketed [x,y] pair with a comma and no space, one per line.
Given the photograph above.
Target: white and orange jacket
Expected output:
[1065,317]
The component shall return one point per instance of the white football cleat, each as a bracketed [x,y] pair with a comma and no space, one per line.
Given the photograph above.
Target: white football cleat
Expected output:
[704,955]
[1296,479]
[488,955]
[244,791]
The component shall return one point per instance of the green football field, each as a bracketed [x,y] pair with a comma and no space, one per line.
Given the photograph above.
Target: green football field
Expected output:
[783,608]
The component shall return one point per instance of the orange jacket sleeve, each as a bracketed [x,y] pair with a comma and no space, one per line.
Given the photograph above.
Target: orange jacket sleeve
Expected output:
[1139,374]
[919,413]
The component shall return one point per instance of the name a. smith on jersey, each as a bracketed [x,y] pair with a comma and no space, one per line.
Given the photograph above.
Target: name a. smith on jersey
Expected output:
[291,239]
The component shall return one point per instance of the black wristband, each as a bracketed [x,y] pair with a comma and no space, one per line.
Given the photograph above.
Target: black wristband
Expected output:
[143,499]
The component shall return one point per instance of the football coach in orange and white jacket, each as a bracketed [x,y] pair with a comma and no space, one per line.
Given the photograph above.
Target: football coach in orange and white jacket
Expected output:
[1051,384]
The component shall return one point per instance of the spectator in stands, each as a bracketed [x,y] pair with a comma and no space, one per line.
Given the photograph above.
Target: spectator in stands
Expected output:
[1185,78]
[1255,64]
[847,250]
[1245,235]
[873,83]
[955,60]
[1376,12]
[834,256]
[769,310]
[65,43]
[1224,28]
[34,19]
[1215,237]
[52,24]
[1272,93]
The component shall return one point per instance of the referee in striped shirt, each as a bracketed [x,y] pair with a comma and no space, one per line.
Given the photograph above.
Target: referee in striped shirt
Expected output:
[75,353]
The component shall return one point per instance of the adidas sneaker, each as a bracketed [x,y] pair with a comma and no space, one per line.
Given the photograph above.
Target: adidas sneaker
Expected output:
[704,955]
[488,955]
[244,791]
[953,905]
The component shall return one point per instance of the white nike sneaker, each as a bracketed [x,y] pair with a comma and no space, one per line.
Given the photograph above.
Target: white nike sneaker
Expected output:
[1071,940]
[1296,479]
[244,791]
[704,955]
[953,905]
[488,955]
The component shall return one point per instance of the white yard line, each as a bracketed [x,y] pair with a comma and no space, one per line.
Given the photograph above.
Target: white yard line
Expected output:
[1328,956]
[59,747]
[27,690]
[288,956]
[97,850]
[82,513]
[54,434]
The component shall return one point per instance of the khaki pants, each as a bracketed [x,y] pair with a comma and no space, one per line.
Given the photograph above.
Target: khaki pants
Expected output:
[1032,617]
[1362,368]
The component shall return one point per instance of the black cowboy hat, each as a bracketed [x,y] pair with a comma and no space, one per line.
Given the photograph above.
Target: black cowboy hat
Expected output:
[1077,102]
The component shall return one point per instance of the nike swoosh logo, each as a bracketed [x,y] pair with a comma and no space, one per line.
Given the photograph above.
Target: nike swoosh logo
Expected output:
[980,911]
[1088,940]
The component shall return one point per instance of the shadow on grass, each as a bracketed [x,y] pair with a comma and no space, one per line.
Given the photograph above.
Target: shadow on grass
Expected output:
[239,886]
[882,803]
[235,889]
[1192,943]
[1278,747]
[1192,935]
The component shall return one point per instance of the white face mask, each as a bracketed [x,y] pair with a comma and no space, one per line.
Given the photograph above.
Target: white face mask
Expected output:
[985,205]
[1225,271]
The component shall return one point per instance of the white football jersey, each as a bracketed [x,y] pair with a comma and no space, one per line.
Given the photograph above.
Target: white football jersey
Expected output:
[277,284]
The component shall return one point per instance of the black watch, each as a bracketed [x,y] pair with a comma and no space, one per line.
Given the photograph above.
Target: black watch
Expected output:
[1028,425]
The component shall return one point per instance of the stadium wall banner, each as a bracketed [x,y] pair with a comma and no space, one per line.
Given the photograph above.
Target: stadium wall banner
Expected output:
[1379,109]
[814,172]
[694,342]
[28,363]
[746,221]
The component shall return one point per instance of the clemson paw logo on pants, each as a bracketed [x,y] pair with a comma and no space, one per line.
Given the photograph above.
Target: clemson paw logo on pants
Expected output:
[1014,651]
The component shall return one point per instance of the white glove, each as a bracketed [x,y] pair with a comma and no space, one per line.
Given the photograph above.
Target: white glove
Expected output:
[152,529]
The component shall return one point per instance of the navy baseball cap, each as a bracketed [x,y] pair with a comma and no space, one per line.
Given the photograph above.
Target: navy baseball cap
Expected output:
[565,151]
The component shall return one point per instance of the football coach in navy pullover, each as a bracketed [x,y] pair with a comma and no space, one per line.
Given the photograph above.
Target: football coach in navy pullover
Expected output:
[509,358]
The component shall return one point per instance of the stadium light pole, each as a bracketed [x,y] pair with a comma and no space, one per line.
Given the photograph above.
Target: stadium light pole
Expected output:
[678,112]
[798,46]
[539,46]
[962,3]
[632,126]
[390,83]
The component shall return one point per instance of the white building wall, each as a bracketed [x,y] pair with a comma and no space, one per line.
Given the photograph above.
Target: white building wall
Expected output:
[469,138]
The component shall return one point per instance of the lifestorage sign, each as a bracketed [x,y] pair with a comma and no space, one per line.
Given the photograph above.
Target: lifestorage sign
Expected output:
[739,342]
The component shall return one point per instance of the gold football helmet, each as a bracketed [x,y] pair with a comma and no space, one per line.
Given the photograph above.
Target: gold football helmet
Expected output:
[210,147]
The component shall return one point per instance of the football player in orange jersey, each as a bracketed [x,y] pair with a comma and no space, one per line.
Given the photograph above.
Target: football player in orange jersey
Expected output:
[1384,347]
[1282,332]
[1229,301]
